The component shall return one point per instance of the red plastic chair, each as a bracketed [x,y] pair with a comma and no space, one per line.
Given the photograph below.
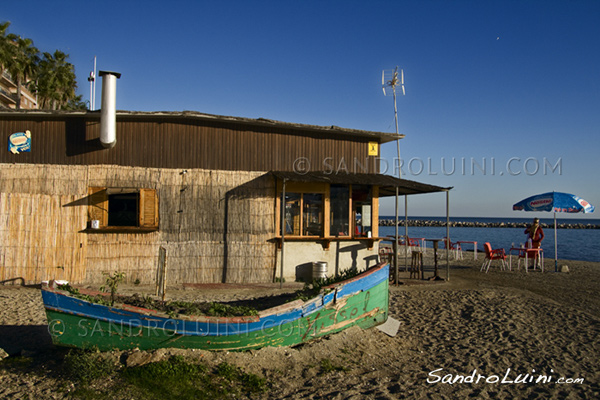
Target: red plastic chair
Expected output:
[530,254]
[454,248]
[410,244]
[414,244]
[490,255]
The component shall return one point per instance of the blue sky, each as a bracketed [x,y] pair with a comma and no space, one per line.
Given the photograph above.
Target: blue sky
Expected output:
[513,84]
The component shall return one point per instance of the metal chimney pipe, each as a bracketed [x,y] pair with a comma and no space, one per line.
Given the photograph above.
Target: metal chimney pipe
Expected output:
[108,114]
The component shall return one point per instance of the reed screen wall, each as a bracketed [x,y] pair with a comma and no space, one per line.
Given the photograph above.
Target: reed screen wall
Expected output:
[215,225]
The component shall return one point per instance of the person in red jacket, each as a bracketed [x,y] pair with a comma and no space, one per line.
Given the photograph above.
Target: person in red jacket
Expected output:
[535,233]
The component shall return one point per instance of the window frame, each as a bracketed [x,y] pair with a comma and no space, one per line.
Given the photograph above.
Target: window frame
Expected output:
[325,189]
[98,209]
[302,189]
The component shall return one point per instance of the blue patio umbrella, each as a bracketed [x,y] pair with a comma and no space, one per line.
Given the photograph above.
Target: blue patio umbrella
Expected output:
[556,202]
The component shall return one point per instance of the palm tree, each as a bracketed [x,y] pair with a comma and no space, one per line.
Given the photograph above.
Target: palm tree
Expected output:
[52,76]
[76,104]
[3,28]
[23,64]
[56,81]
[5,54]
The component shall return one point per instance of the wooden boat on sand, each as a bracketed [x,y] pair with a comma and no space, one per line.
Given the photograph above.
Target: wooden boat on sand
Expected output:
[361,300]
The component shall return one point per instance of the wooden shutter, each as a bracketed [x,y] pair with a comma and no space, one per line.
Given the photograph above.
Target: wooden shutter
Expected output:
[148,208]
[98,205]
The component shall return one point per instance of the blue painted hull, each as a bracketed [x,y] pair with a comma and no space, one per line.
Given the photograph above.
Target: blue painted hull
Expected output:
[362,300]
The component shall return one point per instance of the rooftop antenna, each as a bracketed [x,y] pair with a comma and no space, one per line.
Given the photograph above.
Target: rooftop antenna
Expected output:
[391,79]
[92,81]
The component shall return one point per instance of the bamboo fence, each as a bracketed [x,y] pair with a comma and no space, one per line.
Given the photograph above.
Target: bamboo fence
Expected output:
[214,225]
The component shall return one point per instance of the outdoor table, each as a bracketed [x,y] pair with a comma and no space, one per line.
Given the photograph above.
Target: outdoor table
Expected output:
[474,243]
[538,258]
[403,243]
[435,258]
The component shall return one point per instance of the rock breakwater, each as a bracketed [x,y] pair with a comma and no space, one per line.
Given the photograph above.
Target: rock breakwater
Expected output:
[472,224]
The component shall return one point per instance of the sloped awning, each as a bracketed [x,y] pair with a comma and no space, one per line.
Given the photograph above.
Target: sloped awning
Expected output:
[387,183]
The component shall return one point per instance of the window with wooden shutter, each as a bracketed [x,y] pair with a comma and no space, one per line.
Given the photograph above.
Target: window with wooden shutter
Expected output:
[122,210]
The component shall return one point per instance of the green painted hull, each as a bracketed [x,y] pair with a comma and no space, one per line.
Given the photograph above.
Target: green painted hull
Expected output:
[365,309]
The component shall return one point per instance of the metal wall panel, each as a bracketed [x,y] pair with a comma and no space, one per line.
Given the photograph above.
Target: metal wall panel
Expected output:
[172,143]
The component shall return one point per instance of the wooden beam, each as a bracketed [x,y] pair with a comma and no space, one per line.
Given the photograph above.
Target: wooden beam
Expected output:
[375,212]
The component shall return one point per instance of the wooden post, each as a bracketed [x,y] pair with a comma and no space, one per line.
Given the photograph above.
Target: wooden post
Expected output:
[282,232]
[448,235]
[161,273]
[375,212]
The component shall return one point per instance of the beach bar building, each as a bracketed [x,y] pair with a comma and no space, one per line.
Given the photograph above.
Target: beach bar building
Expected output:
[222,195]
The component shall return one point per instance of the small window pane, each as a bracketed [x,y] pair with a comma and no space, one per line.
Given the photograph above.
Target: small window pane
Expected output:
[340,210]
[292,214]
[313,214]
[362,201]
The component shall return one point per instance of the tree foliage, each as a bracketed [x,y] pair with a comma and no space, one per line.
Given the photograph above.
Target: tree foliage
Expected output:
[49,75]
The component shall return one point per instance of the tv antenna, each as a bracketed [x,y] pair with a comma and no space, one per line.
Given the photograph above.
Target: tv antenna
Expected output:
[391,79]
[92,81]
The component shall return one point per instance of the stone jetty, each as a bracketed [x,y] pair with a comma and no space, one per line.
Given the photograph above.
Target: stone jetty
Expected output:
[472,224]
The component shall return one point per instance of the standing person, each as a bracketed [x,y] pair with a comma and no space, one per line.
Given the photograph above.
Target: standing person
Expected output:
[535,233]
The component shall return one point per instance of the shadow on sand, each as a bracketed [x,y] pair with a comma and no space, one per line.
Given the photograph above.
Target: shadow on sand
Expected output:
[16,338]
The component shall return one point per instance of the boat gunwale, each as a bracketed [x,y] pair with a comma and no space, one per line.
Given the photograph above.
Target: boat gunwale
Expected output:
[276,310]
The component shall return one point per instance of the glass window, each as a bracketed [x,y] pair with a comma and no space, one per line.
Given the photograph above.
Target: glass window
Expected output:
[362,201]
[312,217]
[304,214]
[292,213]
[340,210]
[349,208]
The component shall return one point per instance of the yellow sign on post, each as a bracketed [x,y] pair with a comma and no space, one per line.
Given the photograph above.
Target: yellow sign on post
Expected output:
[373,148]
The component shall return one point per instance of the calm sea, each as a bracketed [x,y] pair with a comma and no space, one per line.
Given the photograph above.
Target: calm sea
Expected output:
[573,244]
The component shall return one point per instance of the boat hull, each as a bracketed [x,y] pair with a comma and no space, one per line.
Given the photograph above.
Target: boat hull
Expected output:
[361,301]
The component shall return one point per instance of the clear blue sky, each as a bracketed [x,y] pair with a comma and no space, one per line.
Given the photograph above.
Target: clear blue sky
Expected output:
[513,83]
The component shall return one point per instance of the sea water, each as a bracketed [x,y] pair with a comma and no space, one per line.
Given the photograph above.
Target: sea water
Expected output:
[573,244]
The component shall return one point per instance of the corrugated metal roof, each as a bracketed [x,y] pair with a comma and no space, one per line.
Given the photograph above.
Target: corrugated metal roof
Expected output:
[381,137]
[387,183]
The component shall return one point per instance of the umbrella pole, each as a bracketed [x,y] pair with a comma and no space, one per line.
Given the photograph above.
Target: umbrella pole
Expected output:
[396,247]
[405,232]
[555,246]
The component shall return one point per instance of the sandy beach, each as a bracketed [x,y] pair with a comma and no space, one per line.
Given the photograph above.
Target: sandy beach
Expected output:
[504,334]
